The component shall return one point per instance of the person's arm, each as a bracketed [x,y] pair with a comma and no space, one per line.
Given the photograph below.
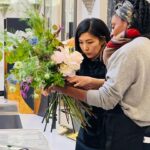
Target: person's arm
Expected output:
[80,81]
[121,74]
[112,91]
[85,82]
[118,82]
[76,93]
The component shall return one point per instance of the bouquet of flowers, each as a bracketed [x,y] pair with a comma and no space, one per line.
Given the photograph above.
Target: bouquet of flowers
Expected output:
[41,60]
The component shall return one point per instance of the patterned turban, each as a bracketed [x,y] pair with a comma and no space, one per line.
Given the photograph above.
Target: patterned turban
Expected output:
[125,11]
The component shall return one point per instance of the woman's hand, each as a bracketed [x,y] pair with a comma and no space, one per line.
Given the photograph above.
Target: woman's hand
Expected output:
[85,82]
[47,91]
[80,81]
[76,93]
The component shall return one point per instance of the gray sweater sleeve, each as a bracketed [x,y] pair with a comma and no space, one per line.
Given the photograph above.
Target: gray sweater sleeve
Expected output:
[121,74]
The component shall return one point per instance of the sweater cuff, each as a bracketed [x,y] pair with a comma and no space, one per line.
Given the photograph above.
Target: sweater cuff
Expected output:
[93,98]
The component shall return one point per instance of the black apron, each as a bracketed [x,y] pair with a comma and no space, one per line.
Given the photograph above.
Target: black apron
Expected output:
[91,138]
[121,132]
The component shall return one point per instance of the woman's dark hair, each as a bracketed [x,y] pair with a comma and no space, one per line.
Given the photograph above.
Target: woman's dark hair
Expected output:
[93,26]
[141,18]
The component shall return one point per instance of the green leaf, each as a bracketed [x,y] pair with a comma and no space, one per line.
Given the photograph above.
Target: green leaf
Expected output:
[1,55]
[1,45]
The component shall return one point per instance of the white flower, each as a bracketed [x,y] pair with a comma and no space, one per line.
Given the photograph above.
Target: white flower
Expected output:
[76,57]
[73,65]
[57,57]
[20,34]
[66,70]
[18,65]
[69,61]
[29,33]
[73,60]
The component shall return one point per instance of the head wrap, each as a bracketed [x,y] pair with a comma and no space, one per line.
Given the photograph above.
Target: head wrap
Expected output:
[125,11]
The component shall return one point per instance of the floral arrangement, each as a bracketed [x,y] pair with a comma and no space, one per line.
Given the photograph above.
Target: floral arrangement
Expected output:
[41,60]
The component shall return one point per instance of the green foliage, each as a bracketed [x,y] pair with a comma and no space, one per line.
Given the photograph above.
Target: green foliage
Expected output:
[37,23]
[31,53]
[33,49]
[1,55]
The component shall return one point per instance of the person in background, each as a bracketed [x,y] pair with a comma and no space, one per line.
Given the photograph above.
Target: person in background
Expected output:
[122,30]
[125,94]
[90,39]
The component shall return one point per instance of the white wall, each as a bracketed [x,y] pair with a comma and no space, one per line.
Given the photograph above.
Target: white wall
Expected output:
[1,62]
[56,12]
[99,10]
[103,10]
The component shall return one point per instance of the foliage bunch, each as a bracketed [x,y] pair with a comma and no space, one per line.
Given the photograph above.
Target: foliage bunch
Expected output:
[31,52]
[41,60]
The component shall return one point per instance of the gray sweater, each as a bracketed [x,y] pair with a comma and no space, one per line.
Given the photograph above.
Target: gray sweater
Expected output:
[128,82]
